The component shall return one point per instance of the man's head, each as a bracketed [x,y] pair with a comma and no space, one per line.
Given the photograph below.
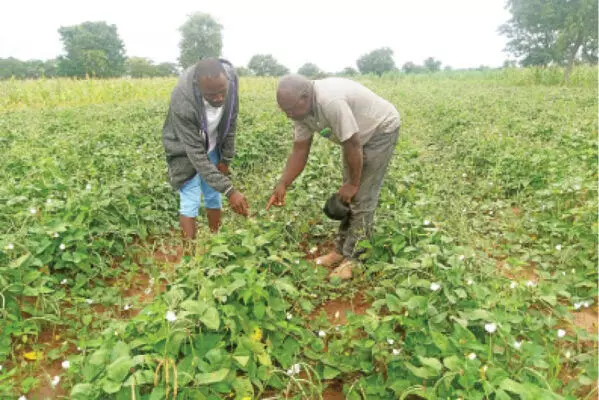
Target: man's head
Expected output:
[294,95]
[213,82]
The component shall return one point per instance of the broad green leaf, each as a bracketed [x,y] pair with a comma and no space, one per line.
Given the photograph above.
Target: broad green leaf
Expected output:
[393,303]
[242,360]
[440,341]
[194,306]
[285,286]
[211,318]
[82,391]
[259,310]
[111,387]
[452,363]
[119,369]
[119,350]
[212,377]
[432,363]
[513,386]
[330,372]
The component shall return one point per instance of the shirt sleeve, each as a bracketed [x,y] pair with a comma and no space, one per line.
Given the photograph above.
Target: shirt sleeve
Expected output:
[301,132]
[341,118]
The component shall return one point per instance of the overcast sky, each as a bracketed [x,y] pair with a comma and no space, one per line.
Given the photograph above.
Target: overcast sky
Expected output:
[331,33]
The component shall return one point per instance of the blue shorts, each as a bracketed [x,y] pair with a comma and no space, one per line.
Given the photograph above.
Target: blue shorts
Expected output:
[191,193]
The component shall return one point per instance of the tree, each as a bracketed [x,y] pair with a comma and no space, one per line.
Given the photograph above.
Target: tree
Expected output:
[140,67]
[201,38]
[31,69]
[266,65]
[377,61]
[543,32]
[349,71]
[310,70]
[167,69]
[412,68]
[92,48]
[242,71]
[432,65]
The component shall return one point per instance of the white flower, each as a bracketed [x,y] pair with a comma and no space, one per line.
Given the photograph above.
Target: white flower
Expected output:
[564,273]
[390,341]
[577,187]
[470,282]
[322,333]
[435,286]
[490,183]
[318,262]
[148,291]
[297,261]
[170,316]
[464,175]
[64,281]
[573,271]
[427,222]
[66,364]
[49,201]
[396,352]
[295,369]
[1,367]
[517,345]
[79,349]
[55,235]
[10,246]
[62,246]
[558,247]
[577,305]
[531,284]
[33,210]
[490,212]
[88,187]
[337,314]
[586,304]
[561,333]
[22,398]
[491,327]
[289,316]
[313,250]
[55,381]
[472,356]
[568,354]
[127,307]
[513,285]
[485,368]
[89,301]
[462,257]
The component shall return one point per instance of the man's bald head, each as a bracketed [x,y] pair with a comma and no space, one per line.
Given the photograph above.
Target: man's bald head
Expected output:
[294,95]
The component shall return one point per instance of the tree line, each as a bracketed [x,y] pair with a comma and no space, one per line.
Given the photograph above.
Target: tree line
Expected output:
[540,33]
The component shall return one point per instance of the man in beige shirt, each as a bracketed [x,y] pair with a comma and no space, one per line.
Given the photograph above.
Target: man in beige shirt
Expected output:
[366,126]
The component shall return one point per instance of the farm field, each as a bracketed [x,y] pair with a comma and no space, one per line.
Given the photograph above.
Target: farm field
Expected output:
[480,281]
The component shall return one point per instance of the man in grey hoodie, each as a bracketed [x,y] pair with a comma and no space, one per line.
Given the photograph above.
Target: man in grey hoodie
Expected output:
[199,141]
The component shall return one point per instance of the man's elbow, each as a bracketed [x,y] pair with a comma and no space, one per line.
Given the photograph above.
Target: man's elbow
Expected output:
[353,143]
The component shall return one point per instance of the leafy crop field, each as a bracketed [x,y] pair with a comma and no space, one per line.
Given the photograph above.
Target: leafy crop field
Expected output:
[479,283]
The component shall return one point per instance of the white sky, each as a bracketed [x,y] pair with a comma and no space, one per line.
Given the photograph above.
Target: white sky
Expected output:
[331,33]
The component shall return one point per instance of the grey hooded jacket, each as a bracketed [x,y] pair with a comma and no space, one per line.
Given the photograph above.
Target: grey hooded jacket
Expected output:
[185,137]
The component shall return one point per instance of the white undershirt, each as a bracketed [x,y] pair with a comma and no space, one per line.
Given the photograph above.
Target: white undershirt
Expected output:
[213,116]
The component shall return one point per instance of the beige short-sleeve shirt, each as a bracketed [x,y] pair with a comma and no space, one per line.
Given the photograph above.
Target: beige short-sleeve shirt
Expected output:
[343,107]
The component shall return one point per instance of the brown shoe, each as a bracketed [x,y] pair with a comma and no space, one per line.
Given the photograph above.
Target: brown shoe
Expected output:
[343,271]
[330,260]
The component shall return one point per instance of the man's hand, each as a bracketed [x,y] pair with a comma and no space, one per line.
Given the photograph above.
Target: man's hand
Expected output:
[239,203]
[223,168]
[278,196]
[347,192]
